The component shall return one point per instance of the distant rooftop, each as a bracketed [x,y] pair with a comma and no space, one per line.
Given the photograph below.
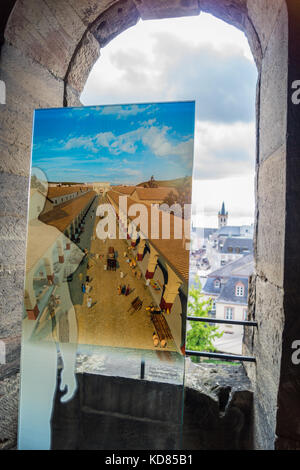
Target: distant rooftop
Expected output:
[228,292]
[237,245]
[243,266]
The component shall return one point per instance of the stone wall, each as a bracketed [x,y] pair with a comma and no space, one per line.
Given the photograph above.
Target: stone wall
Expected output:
[121,413]
[49,49]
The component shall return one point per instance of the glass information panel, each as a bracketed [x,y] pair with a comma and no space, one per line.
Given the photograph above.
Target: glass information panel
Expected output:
[107,268]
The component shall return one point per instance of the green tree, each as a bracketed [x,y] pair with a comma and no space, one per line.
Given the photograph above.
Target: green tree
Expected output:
[170,199]
[200,336]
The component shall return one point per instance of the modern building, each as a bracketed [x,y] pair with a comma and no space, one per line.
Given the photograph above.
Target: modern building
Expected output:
[228,289]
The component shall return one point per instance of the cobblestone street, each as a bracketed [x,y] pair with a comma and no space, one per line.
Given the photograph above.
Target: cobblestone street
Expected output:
[107,322]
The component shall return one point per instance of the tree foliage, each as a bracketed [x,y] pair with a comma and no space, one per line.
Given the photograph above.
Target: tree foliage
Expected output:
[182,195]
[200,336]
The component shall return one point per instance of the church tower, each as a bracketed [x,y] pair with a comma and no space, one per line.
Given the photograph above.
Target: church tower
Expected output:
[222,217]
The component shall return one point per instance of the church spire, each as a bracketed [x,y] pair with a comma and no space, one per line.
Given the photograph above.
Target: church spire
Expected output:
[222,216]
[223,209]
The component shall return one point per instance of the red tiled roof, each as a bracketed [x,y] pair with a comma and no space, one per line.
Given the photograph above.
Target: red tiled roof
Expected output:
[58,191]
[154,194]
[63,214]
[128,190]
[173,250]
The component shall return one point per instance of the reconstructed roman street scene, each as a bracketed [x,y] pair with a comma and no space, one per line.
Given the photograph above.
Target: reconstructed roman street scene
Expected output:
[120,289]
[107,251]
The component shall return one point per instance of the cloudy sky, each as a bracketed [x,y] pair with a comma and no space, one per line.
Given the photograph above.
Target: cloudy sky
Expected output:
[198,58]
[120,144]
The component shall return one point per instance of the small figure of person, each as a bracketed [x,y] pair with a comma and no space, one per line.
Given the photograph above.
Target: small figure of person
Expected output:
[123,290]
[147,284]
[127,291]
[89,302]
[83,288]
[87,278]
[119,290]
[121,274]
[155,339]
[80,276]
[87,288]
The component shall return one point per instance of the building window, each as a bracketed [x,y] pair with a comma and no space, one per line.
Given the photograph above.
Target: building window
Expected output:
[240,290]
[217,283]
[228,313]
[237,250]
[230,250]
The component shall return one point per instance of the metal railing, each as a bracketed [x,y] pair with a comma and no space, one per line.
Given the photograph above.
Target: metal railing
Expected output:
[223,356]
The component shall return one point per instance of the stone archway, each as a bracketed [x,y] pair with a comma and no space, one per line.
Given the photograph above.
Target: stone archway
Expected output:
[48,50]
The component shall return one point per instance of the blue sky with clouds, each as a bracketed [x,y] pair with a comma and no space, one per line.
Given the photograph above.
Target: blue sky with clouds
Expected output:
[120,144]
[193,58]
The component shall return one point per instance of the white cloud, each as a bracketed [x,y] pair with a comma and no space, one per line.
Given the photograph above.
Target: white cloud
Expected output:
[223,150]
[236,192]
[122,112]
[80,142]
[154,137]
[191,58]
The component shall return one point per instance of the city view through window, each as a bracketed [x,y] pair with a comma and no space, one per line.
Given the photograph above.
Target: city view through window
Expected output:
[206,60]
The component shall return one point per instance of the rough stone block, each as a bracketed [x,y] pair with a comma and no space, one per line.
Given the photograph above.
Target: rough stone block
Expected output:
[12,228]
[274,90]
[267,348]
[82,63]
[29,86]
[12,252]
[47,31]
[72,97]
[9,397]
[233,11]
[218,407]
[113,21]
[89,10]
[154,9]
[263,14]
[254,42]
[12,293]
[271,218]
[13,194]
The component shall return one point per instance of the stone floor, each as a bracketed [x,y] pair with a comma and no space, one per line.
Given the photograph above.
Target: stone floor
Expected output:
[108,322]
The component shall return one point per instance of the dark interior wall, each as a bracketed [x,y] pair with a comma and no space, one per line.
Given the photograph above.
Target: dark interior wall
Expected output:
[5,11]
